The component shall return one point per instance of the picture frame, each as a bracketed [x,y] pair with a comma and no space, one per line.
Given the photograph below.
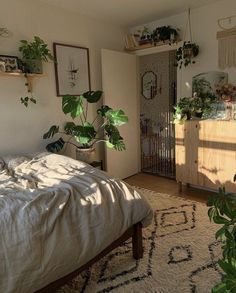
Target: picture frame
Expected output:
[10,63]
[72,69]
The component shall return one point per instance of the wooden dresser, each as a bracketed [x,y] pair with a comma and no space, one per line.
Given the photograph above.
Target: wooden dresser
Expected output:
[206,153]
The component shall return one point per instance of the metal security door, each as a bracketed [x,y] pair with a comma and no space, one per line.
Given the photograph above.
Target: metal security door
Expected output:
[158,95]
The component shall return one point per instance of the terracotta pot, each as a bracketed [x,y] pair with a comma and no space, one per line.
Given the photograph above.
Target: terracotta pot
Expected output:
[85,155]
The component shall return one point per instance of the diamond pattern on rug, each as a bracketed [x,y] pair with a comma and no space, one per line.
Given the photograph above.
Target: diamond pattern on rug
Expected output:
[180,254]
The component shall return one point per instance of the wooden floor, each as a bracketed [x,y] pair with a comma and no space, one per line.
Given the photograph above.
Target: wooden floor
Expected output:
[164,185]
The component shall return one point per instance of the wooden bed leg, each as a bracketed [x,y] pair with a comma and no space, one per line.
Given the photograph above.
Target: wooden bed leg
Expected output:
[137,241]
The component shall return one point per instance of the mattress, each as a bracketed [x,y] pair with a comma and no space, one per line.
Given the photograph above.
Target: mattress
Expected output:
[56,214]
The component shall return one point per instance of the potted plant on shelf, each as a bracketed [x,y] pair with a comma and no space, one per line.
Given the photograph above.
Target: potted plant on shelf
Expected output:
[85,134]
[145,35]
[165,33]
[185,54]
[189,107]
[33,53]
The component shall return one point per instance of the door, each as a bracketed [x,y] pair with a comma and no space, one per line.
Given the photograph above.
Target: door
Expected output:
[158,76]
[119,79]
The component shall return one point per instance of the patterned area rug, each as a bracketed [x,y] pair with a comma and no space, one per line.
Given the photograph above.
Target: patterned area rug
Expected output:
[180,254]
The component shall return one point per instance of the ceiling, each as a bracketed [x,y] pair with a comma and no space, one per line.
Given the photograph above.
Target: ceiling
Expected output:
[128,13]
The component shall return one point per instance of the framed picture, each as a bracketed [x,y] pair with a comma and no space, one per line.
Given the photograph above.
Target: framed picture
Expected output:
[9,63]
[71,69]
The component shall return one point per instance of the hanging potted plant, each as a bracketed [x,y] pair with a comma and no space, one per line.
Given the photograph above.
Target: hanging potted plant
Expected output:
[86,134]
[185,54]
[33,53]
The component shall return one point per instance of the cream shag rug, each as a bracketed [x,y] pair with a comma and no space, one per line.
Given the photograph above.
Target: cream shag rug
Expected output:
[180,254]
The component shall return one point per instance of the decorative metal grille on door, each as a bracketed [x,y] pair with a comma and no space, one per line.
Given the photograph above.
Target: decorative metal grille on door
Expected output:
[158,94]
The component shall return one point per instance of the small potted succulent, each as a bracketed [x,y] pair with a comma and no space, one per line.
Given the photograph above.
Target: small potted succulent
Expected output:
[33,53]
[185,55]
[85,133]
[145,35]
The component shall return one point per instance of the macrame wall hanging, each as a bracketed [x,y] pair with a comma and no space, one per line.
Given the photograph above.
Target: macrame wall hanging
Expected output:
[227,42]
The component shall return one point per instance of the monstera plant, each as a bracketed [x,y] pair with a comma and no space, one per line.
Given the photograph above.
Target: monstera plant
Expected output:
[85,133]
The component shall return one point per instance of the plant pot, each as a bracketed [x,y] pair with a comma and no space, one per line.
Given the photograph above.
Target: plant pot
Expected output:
[34,66]
[85,155]
[198,114]
[188,53]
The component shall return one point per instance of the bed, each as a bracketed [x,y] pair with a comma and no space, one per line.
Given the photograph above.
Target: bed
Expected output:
[58,216]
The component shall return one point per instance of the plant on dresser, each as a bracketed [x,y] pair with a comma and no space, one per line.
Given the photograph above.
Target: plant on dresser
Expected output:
[85,133]
[189,107]
[222,211]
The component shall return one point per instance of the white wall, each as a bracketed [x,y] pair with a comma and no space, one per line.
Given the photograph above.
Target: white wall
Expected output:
[21,129]
[204,27]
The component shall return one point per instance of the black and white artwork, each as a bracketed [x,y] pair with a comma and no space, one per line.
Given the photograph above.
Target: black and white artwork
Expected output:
[71,69]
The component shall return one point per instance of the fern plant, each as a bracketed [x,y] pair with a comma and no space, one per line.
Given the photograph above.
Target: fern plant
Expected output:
[222,211]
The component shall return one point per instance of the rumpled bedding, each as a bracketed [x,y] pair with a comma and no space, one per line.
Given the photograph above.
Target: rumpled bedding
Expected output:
[56,214]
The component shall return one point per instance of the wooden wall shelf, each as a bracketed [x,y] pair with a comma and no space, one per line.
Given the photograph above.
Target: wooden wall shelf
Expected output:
[28,77]
[151,48]
[21,74]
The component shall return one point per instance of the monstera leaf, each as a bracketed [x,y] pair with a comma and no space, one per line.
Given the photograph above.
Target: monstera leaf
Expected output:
[51,132]
[55,146]
[92,96]
[114,138]
[69,128]
[103,110]
[116,117]
[84,134]
[72,105]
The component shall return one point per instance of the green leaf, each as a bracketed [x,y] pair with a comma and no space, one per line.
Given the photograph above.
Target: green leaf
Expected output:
[55,146]
[116,117]
[92,96]
[84,134]
[220,288]
[69,128]
[220,232]
[114,137]
[51,132]
[109,144]
[220,220]
[103,110]
[227,268]
[72,105]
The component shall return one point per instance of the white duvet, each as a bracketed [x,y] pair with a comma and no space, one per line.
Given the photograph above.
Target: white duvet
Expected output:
[56,214]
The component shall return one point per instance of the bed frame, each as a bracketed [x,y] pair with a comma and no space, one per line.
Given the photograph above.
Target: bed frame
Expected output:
[135,232]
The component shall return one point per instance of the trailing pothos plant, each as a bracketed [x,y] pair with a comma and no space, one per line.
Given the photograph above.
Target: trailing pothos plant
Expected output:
[85,133]
[222,211]
[186,54]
